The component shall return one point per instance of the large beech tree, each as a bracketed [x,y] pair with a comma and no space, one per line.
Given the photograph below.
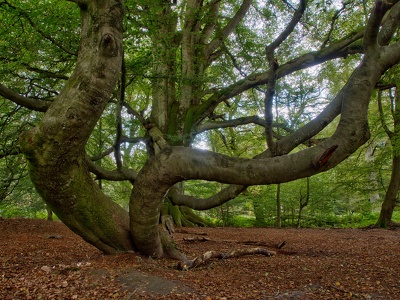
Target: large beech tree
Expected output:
[182,46]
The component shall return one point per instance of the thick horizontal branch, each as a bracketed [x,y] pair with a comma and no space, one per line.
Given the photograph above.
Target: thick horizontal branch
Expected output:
[33,104]
[283,146]
[226,194]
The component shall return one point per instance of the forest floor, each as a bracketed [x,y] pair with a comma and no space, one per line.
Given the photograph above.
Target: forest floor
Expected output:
[45,260]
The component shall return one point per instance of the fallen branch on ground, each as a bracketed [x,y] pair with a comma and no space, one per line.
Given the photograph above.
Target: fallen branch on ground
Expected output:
[196,239]
[202,259]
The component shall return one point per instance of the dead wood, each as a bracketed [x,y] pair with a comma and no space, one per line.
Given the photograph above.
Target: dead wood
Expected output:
[203,259]
[196,239]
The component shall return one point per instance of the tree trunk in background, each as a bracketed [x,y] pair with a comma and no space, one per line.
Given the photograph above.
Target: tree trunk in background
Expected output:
[304,203]
[49,213]
[259,211]
[278,206]
[390,201]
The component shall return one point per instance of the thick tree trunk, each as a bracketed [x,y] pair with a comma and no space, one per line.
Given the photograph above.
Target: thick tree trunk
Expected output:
[55,148]
[175,164]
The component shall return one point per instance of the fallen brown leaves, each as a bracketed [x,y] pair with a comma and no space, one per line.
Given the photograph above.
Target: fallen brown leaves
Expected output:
[45,260]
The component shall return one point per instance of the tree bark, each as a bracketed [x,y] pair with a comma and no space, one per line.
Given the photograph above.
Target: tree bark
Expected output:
[391,196]
[278,206]
[55,148]
[175,164]
[390,201]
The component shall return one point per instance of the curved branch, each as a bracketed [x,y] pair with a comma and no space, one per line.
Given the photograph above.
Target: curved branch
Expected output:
[209,26]
[55,149]
[229,123]
[124,139]
[333,21]
[41,32]
[374,22]
[33,104]
[390,24]
[175,164]
[117,175]
[289,28]
[223,196]
[229,28]
[337,50]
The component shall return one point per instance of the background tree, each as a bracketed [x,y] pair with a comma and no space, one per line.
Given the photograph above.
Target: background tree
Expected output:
[391,196]
[166,71]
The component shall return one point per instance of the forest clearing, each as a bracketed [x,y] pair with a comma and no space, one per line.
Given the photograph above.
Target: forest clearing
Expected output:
[45,260]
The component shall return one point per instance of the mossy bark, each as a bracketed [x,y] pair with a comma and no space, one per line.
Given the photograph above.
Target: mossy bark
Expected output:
[55,148]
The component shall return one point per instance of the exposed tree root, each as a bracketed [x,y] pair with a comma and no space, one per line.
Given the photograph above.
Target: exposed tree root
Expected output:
[202,259]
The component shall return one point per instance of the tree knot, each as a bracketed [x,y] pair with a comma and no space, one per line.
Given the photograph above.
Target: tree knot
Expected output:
[108,46]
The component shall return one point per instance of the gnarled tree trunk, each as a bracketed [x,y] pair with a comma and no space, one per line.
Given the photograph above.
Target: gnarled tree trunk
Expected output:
[55,149]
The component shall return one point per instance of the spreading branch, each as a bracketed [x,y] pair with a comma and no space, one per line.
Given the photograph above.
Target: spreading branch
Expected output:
[374,22]
[41,32]
[339,49]
[116,175]
[390,24]
[33,104]
[229,28]
[333,22]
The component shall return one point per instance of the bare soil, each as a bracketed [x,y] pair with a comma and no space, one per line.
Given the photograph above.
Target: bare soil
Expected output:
[45,260]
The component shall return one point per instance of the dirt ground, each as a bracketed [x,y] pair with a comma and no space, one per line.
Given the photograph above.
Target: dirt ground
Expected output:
[45,260]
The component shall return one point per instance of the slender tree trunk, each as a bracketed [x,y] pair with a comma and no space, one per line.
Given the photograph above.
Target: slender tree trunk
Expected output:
[278,206]
[305,203]
[49,213]
[390,201]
